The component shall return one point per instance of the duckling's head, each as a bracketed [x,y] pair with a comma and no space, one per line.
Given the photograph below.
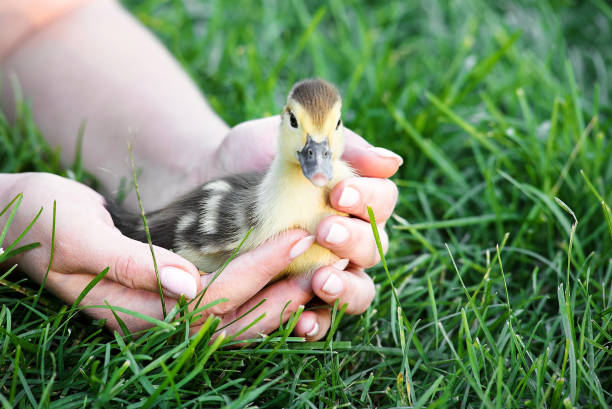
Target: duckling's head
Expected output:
[311,129]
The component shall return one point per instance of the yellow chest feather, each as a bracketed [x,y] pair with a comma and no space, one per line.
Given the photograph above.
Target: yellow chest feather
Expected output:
[287,200]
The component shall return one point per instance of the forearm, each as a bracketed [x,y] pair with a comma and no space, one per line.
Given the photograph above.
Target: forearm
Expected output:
[97,64]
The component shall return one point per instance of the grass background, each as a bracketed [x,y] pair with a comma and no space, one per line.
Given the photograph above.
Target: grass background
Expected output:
[500,299]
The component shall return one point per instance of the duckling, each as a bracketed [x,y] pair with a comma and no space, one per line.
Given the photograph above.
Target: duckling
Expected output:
[206,225]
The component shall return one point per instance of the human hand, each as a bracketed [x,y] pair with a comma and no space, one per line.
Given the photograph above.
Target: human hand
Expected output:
[349,238]
[86,242]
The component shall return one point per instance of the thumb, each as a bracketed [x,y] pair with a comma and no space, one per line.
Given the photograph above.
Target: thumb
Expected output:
[130,264]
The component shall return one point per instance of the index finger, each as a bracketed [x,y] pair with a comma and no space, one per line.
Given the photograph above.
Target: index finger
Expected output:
[355,195]
[369,160]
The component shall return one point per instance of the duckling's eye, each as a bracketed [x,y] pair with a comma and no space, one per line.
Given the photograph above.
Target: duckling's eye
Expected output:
[339,123]
[292,120]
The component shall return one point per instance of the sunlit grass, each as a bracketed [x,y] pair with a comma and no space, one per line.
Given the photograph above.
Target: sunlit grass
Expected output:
[502,115]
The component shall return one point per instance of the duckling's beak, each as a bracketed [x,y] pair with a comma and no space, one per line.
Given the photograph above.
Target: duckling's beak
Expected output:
[316,161]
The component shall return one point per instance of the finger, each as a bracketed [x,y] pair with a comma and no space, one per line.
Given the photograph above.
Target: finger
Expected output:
[282,299]
[314,324]
[354,195]
[352,287]
[246,275]
[369,160]
[352,239]
[129,261]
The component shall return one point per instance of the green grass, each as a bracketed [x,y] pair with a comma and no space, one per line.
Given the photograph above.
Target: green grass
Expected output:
[497,289]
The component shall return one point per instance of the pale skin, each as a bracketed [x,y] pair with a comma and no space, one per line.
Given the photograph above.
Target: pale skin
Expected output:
[179,142]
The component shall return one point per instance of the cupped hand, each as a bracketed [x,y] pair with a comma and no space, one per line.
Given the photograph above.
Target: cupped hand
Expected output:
[254,142]
[86,242]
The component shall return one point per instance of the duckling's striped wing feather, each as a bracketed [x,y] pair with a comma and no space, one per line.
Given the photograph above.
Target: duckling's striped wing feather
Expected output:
[220,215]
[203,225]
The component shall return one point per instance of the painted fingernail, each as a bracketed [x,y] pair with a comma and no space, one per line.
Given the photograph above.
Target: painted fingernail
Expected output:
[301,246]
[349,197]
[314,330]
[341,264]
[333,285]
[337,234]
[178,281]
[386,153]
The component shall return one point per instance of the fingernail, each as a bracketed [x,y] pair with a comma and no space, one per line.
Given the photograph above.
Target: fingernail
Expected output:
[314,330]
[178,281]
[333,285]
[349,197]
[386,153]
[337,234]
[341,264]
[301,246]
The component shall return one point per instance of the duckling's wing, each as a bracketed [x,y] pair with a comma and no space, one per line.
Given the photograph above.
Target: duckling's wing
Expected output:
[217,216]
[207,223]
